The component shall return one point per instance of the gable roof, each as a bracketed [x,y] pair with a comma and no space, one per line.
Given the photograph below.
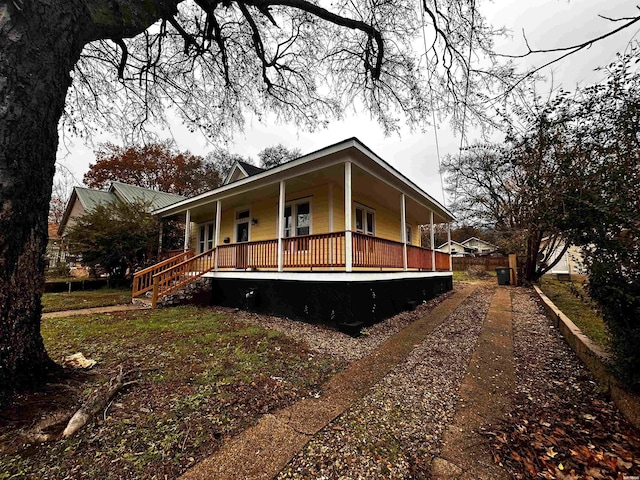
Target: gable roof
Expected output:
[244,169]
[133,193]
[453,242]
[478,240]
[291,168]
[90,198]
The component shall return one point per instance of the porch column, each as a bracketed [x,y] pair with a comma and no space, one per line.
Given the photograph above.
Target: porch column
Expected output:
[281,224]
[216,235]
[348,247]
[403,229]
[187,230]
[449,240]
[160,237]
[433,246]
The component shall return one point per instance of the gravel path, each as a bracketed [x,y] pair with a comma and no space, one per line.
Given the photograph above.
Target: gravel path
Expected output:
[561,425]
[395,431]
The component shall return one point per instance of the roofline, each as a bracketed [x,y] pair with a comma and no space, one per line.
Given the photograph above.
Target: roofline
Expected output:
[479,239]
[325,151]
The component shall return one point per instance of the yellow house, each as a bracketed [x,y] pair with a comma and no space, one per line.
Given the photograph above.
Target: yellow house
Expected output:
[324,236]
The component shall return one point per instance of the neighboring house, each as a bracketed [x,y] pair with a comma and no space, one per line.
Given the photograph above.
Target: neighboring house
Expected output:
[55,252]
[456,249]
[479,247]
[84,200]
[331,236]
[571,261]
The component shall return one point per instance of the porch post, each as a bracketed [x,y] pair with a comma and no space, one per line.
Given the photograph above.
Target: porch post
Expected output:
[281,224]
[160,237]
[403,229]
[348,247]
[433,246]
[187,230]
[216,237]
[449,240]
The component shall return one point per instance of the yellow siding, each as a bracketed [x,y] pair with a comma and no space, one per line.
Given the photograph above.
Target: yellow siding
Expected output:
[266,212]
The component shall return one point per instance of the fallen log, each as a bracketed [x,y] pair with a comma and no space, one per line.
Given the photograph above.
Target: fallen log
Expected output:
[98,401]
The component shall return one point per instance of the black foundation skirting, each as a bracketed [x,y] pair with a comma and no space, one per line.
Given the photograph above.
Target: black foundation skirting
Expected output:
[339,302]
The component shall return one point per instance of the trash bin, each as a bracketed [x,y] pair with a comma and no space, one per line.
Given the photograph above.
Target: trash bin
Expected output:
[504,275]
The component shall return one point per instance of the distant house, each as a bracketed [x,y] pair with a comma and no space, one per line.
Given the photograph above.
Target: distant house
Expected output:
[570,262]
[84,200]
[456,249]
[332,236]
[479,247]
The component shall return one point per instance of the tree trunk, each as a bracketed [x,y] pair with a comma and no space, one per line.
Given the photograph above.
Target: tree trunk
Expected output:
[38,48]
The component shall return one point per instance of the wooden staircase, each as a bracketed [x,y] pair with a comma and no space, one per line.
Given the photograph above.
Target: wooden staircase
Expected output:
[172,274]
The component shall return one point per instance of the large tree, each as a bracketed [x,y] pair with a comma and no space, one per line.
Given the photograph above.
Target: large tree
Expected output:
[119,65]
[157,165]
[276,155]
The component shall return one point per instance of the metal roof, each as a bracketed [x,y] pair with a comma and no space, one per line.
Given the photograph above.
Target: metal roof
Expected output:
[90,198]
[132,193]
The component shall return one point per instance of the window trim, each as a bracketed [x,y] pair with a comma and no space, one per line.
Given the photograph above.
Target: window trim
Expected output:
[237,221]
[204,242]
[294,215]
[365,224]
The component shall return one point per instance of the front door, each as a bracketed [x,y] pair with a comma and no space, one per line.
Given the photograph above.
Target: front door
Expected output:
[242,237]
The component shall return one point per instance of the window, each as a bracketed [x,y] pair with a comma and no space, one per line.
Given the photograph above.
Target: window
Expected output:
[365,221]
[242,225]
[409,233]
[206,232]
[297,219]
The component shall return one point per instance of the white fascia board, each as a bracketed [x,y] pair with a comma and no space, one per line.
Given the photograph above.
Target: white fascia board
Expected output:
[324,276]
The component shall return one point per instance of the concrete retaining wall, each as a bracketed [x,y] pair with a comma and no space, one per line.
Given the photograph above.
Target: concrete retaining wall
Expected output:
[596,359]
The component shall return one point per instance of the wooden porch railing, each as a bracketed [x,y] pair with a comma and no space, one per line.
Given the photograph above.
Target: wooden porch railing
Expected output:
[442,261]
[418,257]
[324,250]
[263,254]
[181,274]
[143,280]
[376,252]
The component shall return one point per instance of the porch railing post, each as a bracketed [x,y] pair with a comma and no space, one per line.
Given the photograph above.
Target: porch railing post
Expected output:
[433,246]
[348,247]
[216,237]
[187,229]
[281,225]
[403,230]
[449,240]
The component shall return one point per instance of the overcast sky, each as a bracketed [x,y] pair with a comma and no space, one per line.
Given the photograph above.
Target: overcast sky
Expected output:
[547,24]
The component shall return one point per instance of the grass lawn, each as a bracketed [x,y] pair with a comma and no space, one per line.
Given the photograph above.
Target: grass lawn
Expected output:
[573,300]
[55,302]
[201,378]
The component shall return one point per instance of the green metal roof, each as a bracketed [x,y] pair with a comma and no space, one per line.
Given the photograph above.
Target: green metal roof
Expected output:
[131,193]
[90,198]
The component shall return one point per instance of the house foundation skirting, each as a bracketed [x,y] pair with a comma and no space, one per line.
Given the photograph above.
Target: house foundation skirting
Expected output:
[330,300]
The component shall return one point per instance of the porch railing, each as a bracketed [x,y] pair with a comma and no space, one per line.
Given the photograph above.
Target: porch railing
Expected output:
[143,280]
[442,261]
[181,274]
[263,254]
[418,257]
[376,252]
[325,250]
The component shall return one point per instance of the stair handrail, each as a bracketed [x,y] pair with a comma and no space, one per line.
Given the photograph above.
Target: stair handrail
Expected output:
[143,280]
[163,282]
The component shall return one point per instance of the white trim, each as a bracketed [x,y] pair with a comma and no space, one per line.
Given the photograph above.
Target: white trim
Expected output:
[365,223]
[280,223]
[433,241]
[237,221]
[294,214]
[449,240]
[206,240]
[324,276]
[348,225]
[330,206]
[403,229]
[217,240]
[187,229]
